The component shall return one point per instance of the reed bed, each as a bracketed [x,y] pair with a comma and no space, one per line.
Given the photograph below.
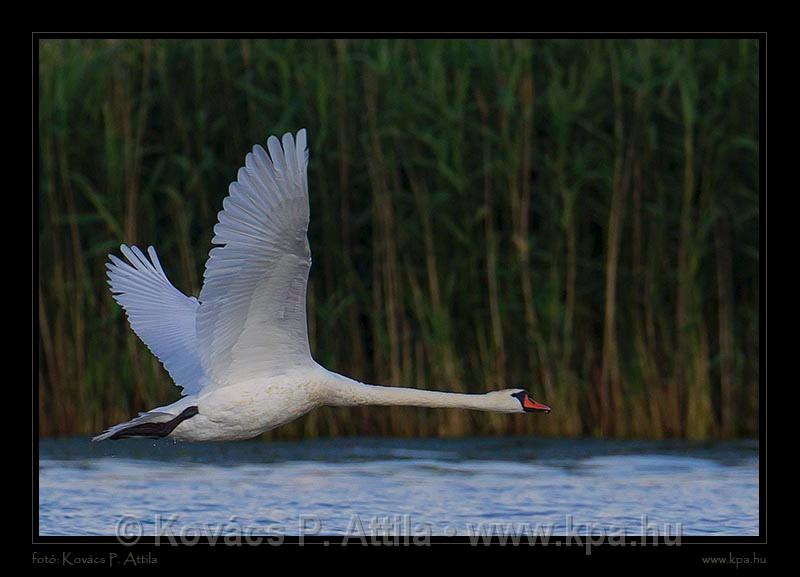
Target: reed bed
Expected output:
[576,217]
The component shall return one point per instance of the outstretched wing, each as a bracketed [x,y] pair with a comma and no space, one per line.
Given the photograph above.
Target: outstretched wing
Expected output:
[161,315]
[252,317]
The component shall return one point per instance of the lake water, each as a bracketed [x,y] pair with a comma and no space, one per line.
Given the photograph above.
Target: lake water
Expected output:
[397,486]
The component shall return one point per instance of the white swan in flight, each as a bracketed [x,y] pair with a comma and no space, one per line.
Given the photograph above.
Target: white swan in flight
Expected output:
[240,351]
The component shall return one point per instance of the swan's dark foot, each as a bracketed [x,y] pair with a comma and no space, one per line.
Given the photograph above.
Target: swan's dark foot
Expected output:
[155,430]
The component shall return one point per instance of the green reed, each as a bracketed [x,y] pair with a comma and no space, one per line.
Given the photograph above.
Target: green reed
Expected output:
[576,217]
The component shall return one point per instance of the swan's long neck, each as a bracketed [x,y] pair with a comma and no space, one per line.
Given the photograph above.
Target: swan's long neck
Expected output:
[341,391]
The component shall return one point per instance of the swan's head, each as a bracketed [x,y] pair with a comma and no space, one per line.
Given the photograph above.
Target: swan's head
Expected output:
[519,401]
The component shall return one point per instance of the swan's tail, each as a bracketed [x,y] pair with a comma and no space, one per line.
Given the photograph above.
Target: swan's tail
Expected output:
[151,424]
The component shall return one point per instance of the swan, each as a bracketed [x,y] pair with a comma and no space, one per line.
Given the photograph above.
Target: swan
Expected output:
[240,351]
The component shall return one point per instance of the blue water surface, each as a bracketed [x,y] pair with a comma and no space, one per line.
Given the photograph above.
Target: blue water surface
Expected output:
[398,486]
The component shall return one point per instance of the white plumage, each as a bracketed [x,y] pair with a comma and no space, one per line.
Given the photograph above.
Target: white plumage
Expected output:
[240,352]
[161,315]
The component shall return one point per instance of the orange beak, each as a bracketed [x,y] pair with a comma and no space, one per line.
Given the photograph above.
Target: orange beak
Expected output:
[529,404]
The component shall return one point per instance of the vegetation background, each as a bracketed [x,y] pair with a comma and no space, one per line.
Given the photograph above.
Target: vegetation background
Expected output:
[576,217]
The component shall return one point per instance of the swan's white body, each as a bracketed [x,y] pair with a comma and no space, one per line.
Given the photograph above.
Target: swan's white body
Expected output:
[240,351]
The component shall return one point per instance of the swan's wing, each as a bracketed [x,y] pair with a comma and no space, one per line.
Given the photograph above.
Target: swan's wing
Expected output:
[252,316]
[161,315]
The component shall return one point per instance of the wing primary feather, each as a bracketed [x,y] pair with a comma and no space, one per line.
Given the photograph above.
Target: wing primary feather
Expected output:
[157,263]
[276,155]
[301,152]
[290,154]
